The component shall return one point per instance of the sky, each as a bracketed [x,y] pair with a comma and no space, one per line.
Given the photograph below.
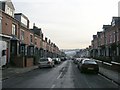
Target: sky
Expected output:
[70,24]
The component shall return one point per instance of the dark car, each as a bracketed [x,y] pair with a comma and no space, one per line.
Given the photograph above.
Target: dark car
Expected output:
[88,65]
[63,58]
[77,60]
[56,60]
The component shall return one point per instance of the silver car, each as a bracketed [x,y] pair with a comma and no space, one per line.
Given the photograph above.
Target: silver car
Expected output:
[46,62]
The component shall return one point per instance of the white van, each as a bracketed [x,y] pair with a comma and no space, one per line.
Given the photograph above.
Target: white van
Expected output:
[3,48]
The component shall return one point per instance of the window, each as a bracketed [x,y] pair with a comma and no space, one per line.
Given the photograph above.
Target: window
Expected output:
[35,41]
[14,29]
[110,38]
[114,37]
[113,23]
[31,51]
[24,21]
[22,35]
[22,49]
[117,35]
[9,11]
[30,38]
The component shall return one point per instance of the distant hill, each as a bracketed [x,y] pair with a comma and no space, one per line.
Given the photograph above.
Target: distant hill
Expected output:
[70,52]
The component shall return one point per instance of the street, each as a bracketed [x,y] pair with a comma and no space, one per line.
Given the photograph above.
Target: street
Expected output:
[65,75]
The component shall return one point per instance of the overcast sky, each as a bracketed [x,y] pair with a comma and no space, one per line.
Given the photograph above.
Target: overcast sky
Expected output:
[68,23]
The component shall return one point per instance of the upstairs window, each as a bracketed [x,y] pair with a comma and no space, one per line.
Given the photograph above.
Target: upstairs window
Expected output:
[22,35]
[35,41]
[9,11]
[31,39]
[118,35]
[114,36]
[24,21]
[14,31]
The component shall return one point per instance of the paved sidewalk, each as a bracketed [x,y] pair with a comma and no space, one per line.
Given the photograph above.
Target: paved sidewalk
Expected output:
[108,71]
[13,71]
[110,74]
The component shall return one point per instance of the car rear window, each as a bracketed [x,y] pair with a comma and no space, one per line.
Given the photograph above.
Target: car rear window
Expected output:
[90,61]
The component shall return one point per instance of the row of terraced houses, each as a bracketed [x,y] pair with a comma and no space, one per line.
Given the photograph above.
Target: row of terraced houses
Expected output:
[24,45]
[105,45]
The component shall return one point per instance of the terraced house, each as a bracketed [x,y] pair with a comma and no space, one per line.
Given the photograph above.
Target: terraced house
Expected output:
[24,45]
[106,44]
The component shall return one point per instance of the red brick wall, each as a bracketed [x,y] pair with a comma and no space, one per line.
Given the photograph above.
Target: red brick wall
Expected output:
[27,37]
[44,45]
[102,39]
[19,61]
[29,62]
[107,35]
[112,35]
[96,43]
[6,24]
[38,41]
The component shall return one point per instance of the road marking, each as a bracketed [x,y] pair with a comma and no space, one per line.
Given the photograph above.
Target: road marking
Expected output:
[63,69]
[107,63]
[53,86]
[59,75]
[104,77]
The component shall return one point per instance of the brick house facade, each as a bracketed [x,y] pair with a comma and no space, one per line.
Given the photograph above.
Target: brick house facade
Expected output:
[24,45]
[107,42]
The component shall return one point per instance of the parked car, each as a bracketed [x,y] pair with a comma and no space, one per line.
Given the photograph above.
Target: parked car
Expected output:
[57,60]
[77,60]
[46,62]
[80,60]
[63,58]
[88,65]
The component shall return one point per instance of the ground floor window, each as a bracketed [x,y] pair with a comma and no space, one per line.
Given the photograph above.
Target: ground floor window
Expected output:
[30,50]
[22,49]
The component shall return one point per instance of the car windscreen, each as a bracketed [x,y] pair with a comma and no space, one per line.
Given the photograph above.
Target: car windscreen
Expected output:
[43,59]
[90,62]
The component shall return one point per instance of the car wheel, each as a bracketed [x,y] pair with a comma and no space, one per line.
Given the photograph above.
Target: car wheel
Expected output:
[81,70]
[51,66]
[96,72]
[40,67]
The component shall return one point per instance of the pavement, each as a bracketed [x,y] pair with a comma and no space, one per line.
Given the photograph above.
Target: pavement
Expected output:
[109,72]
[113,75]
[13,71]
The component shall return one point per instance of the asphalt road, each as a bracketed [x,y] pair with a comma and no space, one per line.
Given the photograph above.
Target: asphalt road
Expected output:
[65,75]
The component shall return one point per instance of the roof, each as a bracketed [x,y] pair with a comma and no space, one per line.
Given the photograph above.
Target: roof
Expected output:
[21,15]
[9,3]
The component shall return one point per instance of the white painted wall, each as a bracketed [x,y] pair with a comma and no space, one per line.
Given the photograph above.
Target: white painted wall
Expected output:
[3,46]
